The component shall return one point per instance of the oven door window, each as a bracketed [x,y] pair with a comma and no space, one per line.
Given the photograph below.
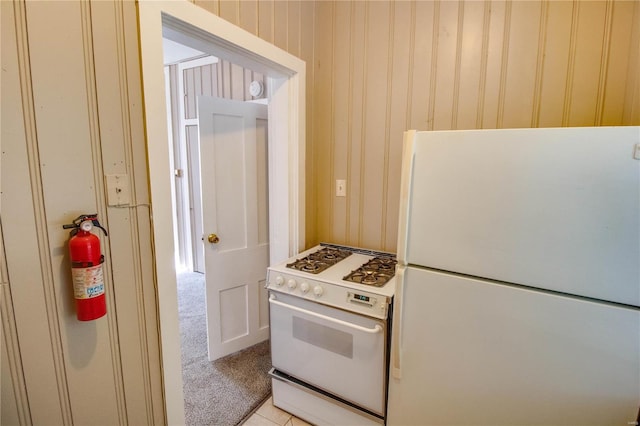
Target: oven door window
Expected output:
[340,352]
[323,337]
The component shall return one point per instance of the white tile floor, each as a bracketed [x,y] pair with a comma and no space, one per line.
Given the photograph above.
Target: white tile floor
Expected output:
[270,415]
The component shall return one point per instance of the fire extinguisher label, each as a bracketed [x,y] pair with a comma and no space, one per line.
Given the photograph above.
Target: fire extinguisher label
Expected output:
[87,282]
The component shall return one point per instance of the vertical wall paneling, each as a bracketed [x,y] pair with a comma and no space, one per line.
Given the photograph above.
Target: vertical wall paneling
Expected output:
[492,103]
[387,124]
[248,19]
[471,41]
[17,206]
[77,117]
[557,54]
[458,64]
[542,42]
[229,11]
[207,80]
[357,100]
[521,65]
[588,57]
[265,20]
[236,76]
[212,6]
[33,290]
[323,115]
[342,50]
[631,112]
[141,231]
[189,87]
[445,64]
[72,87]
[307,22]
[375,119]
[280,29]
[399,101]
[422,81]
[14,407]
[293,28]
[471,65]
[197,87]
[504,61]
[70,79]
[620,51]
[90,77]
[604,63]
[484,59]
[226,80]
[124,248]
[433,64]
[566,111]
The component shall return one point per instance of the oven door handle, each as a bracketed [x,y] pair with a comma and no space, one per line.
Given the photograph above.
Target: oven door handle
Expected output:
[375,330]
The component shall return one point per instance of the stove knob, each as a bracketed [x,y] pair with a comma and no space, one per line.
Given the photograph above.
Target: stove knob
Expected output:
[304,287]
[279,280]
[317,290]
[292,283]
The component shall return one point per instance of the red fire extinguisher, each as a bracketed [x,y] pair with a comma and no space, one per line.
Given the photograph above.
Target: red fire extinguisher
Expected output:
[86,267]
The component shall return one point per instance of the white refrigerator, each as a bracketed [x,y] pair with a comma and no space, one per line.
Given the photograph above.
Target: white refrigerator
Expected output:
[518,292]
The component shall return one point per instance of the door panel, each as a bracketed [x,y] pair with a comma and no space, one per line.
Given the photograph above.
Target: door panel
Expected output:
[233,163]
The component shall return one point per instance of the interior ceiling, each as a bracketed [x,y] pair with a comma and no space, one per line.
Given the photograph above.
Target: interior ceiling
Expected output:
[175,52]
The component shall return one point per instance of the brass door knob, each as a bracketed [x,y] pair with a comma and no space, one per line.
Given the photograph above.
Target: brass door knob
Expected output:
[213,239]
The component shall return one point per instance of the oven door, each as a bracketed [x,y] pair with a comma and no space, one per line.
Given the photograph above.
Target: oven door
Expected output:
[339,352]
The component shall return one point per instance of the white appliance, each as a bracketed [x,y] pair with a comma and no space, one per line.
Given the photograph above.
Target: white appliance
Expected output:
[518,283]
[329,309]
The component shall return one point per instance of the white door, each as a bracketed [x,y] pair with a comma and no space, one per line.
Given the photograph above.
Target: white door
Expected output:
[233,164]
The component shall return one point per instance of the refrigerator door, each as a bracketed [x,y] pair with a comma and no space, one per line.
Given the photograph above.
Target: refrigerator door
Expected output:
[477,352]
[557,209]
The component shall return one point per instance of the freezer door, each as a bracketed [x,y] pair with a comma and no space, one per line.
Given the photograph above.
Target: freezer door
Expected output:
[481,353]
[550,208]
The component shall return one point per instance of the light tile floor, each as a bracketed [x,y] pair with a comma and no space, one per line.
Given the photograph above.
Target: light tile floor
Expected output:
[270,415]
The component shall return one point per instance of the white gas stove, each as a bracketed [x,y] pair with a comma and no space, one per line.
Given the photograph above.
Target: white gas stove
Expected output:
[329,310]
[348,278]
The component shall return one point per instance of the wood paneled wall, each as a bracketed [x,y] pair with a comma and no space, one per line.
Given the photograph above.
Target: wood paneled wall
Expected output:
[221,80]
[71,114]
[378,68]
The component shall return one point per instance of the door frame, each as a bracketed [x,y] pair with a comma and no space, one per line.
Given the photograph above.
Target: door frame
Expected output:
[193,26]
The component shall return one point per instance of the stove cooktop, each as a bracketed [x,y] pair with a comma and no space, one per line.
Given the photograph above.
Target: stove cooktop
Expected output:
[376,272]
[353,279]
[318,261]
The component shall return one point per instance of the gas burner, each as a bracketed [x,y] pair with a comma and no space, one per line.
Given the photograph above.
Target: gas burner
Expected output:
[320,260]
[375,272]
[382,264]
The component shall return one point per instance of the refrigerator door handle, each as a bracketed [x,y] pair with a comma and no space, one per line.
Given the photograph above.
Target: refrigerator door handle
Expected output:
[396,333]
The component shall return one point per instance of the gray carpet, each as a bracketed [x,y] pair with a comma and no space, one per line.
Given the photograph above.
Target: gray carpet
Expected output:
[225,391]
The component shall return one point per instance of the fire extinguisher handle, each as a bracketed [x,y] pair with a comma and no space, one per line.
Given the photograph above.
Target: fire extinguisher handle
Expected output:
[77,221]
[97,225]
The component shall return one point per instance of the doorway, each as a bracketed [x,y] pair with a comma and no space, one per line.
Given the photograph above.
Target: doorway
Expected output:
[194,27]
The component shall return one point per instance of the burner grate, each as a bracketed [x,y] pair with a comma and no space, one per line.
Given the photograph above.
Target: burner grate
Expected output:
[376,272]
[318,261]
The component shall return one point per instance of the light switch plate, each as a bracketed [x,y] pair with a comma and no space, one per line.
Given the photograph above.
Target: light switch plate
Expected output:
[118,193]
[341,188]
